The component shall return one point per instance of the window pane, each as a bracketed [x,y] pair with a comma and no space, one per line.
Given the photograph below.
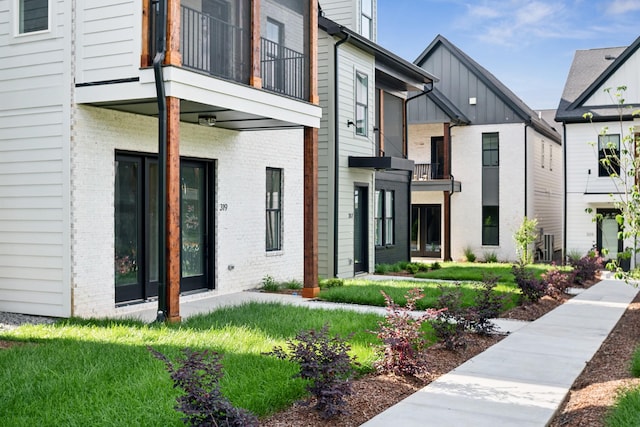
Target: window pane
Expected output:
[34,15]
[153,218]
[193,212]
[366,7]
[389,220]
[361,88]
[490,225]
[378,218]
[274,206]
[608,154]
[365,27]
[127,209]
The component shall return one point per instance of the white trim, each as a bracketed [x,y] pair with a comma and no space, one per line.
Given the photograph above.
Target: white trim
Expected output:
[17,36]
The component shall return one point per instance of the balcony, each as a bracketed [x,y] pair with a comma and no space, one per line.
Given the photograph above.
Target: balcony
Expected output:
[221,48]
[430,177]
[427,172]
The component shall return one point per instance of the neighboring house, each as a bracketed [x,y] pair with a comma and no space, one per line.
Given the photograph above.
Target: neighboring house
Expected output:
[81,121]
[588,185]
[483,161]
[364,174]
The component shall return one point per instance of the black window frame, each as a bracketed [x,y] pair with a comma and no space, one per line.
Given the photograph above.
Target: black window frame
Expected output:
[490,225]
[608,152]
[490,149]
[382,220]
[273,213]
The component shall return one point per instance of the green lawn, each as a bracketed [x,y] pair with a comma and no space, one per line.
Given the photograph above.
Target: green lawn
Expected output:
[93,373]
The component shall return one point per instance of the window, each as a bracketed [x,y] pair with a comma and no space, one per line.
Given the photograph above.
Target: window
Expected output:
[490,150]
[367,14]
[608,152]
[33,15]
[490,222]
[273,65]
[274,210]
[550,157]
[384,218]
[362,104]
[542,156]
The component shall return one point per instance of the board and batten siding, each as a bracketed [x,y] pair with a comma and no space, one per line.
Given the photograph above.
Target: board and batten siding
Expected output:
[545,185]
[108,40]
[35,83]
[459,86]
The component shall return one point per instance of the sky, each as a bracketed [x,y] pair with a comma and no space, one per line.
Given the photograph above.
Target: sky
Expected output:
[527,45]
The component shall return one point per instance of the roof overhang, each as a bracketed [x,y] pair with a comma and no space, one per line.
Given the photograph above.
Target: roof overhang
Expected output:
[381,163]
[235,106]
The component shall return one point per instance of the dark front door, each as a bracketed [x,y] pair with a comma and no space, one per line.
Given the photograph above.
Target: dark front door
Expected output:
[361,230]
[425,231]
[195,225]
[136,227]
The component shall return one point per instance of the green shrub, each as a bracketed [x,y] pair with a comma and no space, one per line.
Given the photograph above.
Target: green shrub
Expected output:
[635,363]
[412,268]
[382,268]
[269,284]
[334,282]
[436,266]
[292,284]
[490,257]
[469,255]
[403,265]
[422,266]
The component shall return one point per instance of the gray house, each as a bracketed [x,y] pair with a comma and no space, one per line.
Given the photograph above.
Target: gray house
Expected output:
[483,161]
[364,175]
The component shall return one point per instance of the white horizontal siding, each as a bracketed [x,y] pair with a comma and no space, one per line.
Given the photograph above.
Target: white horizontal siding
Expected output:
[109,40]
[35,82]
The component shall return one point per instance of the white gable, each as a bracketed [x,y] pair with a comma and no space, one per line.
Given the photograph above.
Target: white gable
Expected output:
[626,75]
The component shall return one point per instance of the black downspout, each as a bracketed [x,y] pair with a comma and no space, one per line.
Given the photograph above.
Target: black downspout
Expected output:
[526,125]
[161,42]
[406,141]
[564,193]
[336,139]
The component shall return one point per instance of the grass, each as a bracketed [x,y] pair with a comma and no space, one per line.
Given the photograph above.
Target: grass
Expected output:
[476,271]
[367,292]
[95,372]
[626,411]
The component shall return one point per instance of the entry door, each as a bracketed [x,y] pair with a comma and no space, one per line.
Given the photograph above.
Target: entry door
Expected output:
[136,227]
[361,230]
[607,234]
[425,231]
[195,224]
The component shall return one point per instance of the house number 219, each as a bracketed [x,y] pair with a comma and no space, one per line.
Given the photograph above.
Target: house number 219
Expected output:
[223,207]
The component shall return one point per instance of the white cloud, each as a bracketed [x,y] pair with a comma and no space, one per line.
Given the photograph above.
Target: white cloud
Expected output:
[618,7]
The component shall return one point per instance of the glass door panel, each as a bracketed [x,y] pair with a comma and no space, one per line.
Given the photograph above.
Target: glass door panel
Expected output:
[128,231]
[194,225]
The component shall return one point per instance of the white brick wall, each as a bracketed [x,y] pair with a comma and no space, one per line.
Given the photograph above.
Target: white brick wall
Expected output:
[240,184]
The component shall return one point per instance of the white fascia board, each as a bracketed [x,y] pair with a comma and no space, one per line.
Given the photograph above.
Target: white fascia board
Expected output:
[196,87]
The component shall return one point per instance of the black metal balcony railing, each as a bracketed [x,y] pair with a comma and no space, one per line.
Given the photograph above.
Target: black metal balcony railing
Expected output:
[223,49]
[426,172]
[282,69]
[214,46]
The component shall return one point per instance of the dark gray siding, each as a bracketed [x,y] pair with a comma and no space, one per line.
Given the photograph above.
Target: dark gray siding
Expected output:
[399,182]
[459,86]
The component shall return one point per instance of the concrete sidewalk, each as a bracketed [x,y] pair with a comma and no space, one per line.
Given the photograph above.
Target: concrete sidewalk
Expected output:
[523,379]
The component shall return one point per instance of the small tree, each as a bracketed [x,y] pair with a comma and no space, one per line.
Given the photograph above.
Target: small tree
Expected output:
[524,237]
[623,166]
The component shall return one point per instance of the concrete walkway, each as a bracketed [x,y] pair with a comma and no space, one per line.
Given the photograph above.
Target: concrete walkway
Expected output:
[520,381]
[523,379]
